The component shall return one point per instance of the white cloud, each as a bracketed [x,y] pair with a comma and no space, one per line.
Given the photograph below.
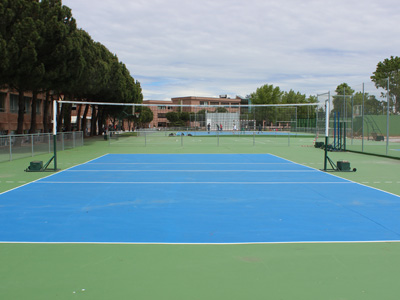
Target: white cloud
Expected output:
[186,47]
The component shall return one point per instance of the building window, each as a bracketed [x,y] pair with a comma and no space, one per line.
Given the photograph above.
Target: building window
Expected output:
[38,107]
[27,102]
[161,107]
[203,102]
[3,102]
[161,115]
[13,103]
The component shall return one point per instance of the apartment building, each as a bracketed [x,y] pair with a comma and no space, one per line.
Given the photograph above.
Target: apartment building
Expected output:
[9,111]
[161,108]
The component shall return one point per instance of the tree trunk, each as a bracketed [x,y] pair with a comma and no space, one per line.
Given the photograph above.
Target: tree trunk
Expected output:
[21,112]
[32,130]
[83,124]
[93,123]
[78,117]
[100,120]
[46,113]
[67,117]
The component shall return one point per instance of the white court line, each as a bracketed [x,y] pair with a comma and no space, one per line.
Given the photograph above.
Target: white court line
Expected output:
[50,175]
[197,171]
[185,182]
[205,243]
[202,163]
[358,183]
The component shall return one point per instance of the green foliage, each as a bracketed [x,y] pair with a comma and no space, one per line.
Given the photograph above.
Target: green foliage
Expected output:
[172,116]
[41,49]
[389,69]
[146,115]
[221,110]
[372,106]
[177,119]
[267,94]
[342,100]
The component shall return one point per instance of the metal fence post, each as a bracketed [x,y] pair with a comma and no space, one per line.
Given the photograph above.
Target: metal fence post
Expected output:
[62,141]
[32,143]
[387,118]
[10,148]
[362,117]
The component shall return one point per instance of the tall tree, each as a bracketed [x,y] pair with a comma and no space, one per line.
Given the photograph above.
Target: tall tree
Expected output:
[389,69]
[59,51]
[20,30]
[267,94]
[372,106]
[342,100]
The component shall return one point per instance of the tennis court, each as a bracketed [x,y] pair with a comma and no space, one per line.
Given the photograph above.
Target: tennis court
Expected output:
[196,198]
[176,224]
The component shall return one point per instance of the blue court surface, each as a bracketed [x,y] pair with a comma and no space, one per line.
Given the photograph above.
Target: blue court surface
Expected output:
[196,198]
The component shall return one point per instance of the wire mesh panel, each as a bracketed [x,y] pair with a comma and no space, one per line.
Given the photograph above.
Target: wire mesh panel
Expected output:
[20,146]
[225,126]
[41,143]
[373,126]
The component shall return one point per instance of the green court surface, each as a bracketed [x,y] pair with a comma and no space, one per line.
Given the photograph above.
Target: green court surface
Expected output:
[253,271]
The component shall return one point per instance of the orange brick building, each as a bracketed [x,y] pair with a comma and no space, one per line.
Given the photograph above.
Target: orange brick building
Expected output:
[161,108]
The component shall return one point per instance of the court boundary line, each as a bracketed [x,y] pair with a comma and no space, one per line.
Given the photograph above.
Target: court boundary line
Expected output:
[206,163]
[199,171]
[205,244]
[346,181]
[349,180]
[53,174]
[185,182]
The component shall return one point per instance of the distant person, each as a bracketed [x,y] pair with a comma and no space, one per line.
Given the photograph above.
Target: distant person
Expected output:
[220,127]
[217,127]
[259,128]
[208,128]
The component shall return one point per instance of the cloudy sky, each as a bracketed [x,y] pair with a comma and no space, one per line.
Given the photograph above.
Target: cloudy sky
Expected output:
[212,47]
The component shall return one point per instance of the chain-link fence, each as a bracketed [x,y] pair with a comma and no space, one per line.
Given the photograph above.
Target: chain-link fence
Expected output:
[361,114]
[289,118]
[363,118]
[19,146]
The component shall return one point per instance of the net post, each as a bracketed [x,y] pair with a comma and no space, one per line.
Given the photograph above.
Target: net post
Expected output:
[55,133]
[326,130]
